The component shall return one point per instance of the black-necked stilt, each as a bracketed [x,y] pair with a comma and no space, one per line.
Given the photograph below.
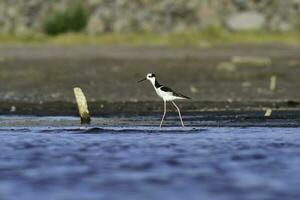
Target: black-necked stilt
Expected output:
[167,94]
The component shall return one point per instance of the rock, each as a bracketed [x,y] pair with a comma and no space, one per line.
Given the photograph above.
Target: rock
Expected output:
[252,60]
[13,109]
[194,89]
[95,25]
[226,67]
[246,84]
[241,4]
[276,23]
[245,21]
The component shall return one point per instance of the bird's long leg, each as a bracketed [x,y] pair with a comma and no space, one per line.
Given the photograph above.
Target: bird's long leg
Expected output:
[178,113]
[165,108]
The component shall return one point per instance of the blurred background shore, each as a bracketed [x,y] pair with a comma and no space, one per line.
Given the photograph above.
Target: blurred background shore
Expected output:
[164,22]
[222,53]
[102,16]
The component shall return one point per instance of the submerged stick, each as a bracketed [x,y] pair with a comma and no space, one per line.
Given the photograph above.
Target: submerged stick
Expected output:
[273,81]
[268,112]
[82,106]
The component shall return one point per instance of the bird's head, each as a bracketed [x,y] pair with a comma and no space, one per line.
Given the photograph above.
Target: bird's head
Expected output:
[150,77]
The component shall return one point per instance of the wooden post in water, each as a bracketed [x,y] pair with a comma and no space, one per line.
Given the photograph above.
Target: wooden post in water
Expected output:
[82,106]
[268,112]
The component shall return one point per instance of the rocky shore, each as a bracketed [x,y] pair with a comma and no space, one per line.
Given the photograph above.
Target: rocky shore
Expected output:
[25,17]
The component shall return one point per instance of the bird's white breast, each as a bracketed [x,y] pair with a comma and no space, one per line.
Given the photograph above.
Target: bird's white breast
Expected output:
[166,96]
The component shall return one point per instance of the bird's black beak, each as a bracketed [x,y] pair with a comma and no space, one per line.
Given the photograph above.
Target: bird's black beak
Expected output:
[142,80]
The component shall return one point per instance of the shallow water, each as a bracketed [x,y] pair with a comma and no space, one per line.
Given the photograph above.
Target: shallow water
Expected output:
[145,162]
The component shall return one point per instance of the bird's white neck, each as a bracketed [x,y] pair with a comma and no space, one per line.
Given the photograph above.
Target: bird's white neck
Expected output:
[153,81]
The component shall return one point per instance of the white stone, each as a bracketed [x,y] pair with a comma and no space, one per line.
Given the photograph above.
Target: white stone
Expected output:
[245,21]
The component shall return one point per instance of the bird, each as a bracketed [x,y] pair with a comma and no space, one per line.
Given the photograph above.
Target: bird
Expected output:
[166,93]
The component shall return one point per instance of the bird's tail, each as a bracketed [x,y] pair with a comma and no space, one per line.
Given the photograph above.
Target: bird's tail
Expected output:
[183,96]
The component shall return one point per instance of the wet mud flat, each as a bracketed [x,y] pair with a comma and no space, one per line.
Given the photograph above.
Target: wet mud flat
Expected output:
[284,119]
[42,74]
[39,80]
[146,162]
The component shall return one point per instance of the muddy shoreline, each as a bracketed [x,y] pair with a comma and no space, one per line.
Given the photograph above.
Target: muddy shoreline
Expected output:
[119,114]
[101,108]
[39,80]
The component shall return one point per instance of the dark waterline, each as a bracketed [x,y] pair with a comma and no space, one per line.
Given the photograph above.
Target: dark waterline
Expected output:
[149,163]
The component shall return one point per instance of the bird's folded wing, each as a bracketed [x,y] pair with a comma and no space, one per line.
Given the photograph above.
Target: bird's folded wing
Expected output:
[166,89]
